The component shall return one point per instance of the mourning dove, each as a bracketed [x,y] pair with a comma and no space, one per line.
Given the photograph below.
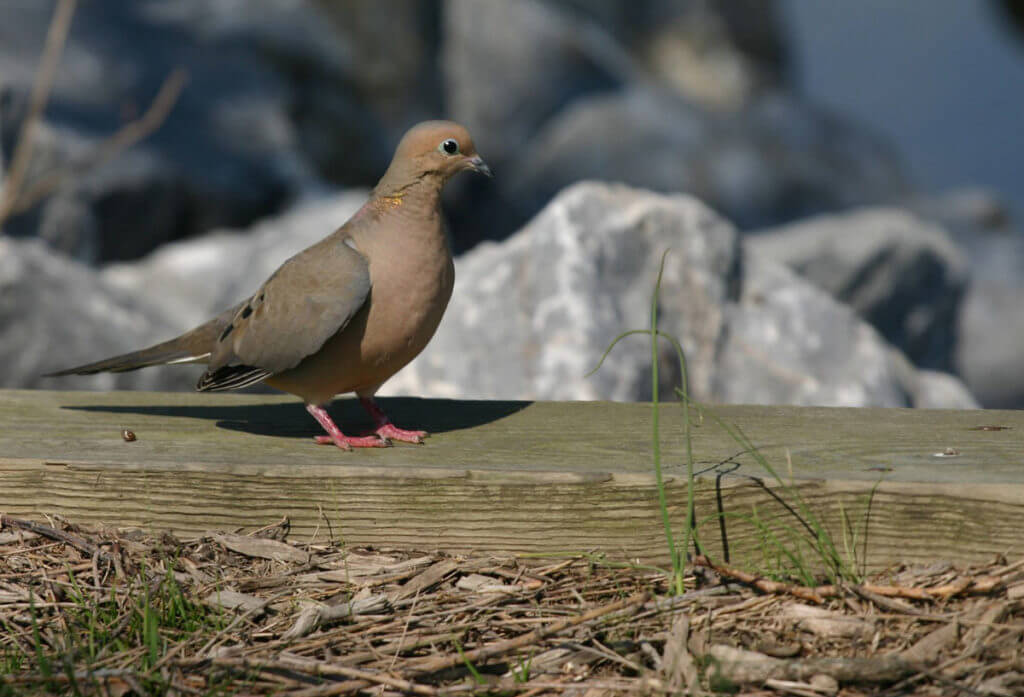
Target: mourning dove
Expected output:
[347,313]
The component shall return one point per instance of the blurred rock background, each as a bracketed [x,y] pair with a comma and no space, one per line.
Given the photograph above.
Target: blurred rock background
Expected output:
[809,264]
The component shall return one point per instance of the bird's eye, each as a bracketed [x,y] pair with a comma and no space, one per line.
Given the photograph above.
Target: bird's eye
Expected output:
[450,146]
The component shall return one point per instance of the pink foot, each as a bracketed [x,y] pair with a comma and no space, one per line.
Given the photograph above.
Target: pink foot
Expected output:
[349,442]
[384,427]
[336,437]
[392,432]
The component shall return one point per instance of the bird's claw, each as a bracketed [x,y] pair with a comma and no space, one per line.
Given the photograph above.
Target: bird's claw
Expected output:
[349,442]
[391,432]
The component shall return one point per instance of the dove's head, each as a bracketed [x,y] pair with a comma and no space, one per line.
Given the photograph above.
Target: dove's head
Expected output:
[438,148]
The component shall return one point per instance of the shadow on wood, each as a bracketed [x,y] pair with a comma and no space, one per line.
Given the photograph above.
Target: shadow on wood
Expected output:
[290,420]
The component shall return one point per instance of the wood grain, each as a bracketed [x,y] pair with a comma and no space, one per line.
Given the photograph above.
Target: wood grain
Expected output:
[522,477]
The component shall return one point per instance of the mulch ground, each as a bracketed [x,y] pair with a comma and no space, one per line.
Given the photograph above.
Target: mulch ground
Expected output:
[107,612]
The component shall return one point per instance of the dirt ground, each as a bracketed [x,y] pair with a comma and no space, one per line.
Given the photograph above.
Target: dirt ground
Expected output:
[108,612]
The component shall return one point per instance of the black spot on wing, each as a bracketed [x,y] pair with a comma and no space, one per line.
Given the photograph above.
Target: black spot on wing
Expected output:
[246,310]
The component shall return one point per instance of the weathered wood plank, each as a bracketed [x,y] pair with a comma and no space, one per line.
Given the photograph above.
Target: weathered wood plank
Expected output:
[512,476]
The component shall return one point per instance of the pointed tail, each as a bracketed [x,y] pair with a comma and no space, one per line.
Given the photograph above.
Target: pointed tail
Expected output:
[162,354]
[190,347]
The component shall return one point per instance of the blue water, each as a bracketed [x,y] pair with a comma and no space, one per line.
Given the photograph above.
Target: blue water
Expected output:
[941,79]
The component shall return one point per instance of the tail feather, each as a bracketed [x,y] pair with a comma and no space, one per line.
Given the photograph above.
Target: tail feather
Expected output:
[191,347]
[161,354]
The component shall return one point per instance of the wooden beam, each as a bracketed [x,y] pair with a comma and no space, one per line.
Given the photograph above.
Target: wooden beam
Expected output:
[544,478]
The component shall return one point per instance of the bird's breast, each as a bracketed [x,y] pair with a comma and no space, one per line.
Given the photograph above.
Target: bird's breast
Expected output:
[408,297]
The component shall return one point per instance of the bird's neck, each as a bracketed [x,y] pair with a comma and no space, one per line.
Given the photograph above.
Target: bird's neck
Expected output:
[411,196]
[412,207]
[420,185]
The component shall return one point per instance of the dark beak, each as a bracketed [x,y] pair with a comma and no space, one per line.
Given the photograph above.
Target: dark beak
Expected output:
[477,164]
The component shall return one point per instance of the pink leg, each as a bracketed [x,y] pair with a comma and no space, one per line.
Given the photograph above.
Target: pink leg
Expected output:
[386,429]
[337,437]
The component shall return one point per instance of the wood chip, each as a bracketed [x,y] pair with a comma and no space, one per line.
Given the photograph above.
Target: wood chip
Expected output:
[746,667]
[776,649]
[478,583]
[317,615]
[793,687]
[1009,684]
[363,571]
[233,600]
[975,636]
[8,597]
[828,624]
[679,669]
[16,536]
[928,649]
[431,577]
[824,684]
[262,548]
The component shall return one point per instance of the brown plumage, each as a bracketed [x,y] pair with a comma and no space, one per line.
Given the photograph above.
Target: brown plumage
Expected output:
[347,313]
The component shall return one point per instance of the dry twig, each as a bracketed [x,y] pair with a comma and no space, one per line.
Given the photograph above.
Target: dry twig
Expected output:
[56,37]
[573,627]
[16,194]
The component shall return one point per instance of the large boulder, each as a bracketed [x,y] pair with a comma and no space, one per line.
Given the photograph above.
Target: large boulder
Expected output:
[510,66]
[774,161]
[56,313]
[660,94]
[532,315]
[391,57]
[990,324]
[788,342]
[529,318]
[902,274]
[990,349]
[716,53]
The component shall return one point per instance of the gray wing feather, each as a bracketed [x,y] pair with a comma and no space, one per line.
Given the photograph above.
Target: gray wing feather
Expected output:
[309,298]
